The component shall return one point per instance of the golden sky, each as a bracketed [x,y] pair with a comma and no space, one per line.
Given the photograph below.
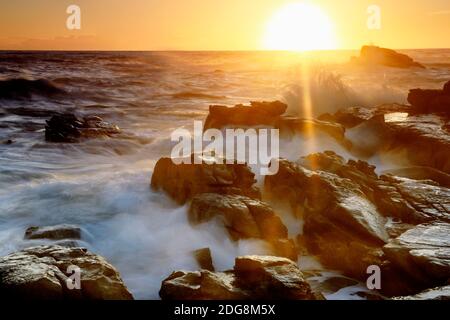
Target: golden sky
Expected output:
[213,24]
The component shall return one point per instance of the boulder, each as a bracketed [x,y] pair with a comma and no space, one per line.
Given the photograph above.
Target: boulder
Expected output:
[58,232]
[373,55]
[183,181]
[42,273]
[70,128]
[253,277]
[244,218]
[423,253]
[428,101]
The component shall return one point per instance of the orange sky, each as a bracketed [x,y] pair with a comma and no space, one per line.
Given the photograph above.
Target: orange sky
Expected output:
[211,24]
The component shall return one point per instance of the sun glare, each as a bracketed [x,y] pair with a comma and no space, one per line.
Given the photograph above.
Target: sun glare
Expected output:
[299,27]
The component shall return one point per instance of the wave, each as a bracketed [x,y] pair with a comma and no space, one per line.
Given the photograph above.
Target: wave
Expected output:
[328,93]
[20,88]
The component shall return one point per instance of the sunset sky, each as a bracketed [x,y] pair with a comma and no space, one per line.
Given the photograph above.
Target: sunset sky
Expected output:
[215,24]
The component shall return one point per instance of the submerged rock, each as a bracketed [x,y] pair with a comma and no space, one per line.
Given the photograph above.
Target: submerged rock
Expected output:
[253,277]
[373,55]
[183,181]
[58,232]
[70,128]
[42,273]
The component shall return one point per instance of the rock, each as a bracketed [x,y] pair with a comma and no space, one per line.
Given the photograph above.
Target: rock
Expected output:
[428,101]
[253,277]
[40,273]
[424,138]
[423,253]
[204,259]
[269,114]
[183,181]
[373,55]
[439,293]
[258,113]
[70,128]
[350,212]
[58,232]
[421,173]
[8,142]
[244,218]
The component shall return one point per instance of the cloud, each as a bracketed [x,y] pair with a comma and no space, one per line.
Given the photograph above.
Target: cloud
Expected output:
[70,42]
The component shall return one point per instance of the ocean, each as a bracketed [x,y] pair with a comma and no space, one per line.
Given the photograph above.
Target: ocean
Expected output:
[103,185]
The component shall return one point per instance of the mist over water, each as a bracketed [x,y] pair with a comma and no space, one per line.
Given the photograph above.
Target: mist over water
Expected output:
[103,185]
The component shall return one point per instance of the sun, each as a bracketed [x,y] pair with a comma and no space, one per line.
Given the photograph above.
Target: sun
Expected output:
[299,27]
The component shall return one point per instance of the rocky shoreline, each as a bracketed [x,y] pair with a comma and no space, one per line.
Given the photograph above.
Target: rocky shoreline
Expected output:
[353,217]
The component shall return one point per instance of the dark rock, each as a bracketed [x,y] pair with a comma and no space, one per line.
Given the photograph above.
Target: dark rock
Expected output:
[439,293]
[428,101]
[58,232]
[204,259]
[40,273]
[8,142]
[70,128]
[373,55]
[253,277]
[183,181]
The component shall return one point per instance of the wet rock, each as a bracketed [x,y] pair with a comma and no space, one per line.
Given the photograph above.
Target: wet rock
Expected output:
[70,128]
[58,232]
[423,253]
[439,293]
[257,113]
[253,277]
[183,181]
[421,173]
[41,273]
[428,101]
[8,142]
[243,218]
[269,114]
[350,212]
[423,138]
[204,259]
[373,55]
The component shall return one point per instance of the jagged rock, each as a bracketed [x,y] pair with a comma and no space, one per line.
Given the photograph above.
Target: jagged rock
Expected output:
[423,253]
[253,277]
[439,293]
[373,55]
[184,181]
[70,128]
[244,218]
[421,173]
[270,114]
[258,113]
[40,273]
[349,212]
[58,232]
[428,101]
[204,259]
[424,138]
